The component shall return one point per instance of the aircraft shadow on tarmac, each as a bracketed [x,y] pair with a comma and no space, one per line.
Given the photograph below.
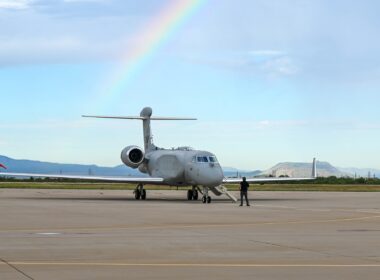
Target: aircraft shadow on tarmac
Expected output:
[155,199]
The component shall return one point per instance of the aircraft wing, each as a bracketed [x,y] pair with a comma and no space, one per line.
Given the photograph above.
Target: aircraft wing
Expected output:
[275,179]
[265,180]
[143,180]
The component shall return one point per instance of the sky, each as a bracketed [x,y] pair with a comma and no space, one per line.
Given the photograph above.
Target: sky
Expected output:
[269,80]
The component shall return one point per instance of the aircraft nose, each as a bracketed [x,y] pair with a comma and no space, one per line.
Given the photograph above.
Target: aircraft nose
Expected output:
[212,175]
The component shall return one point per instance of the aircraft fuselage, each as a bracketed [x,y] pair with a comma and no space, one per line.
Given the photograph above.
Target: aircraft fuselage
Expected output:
[183,167]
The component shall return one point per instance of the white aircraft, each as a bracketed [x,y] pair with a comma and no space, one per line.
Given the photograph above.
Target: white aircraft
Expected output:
[181,167]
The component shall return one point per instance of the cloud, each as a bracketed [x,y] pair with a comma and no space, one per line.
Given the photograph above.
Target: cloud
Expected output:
[95,8]
[84,1]
[281,66]
[257,63]
[56,124]
[272,63]
[14,4]
[57,31]
[254,126]
[281,123]
[47,50]
[266,53]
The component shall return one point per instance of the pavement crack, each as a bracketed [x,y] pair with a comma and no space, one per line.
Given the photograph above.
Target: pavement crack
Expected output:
[16,268]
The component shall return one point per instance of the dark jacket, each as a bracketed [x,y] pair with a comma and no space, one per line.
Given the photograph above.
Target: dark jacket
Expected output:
[244,186]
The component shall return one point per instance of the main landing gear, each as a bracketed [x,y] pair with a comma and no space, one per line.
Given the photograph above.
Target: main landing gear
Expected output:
[140,192]
[192,194]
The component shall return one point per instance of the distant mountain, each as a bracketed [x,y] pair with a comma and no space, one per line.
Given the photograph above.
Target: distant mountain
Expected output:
[291,169]
[302,169]
[32,166]
[234,172]
[231,169]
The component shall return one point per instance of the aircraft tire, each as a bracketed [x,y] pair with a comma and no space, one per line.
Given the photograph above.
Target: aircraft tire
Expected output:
[143,195]
[195,195]
[204,199]
[209,199]
[189,195]
[137,194]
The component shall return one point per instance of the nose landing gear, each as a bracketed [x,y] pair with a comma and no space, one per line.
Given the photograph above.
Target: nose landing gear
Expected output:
[193,194]
[206,197]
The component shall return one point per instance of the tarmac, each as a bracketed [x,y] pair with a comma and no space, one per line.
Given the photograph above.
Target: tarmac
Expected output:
[98,234]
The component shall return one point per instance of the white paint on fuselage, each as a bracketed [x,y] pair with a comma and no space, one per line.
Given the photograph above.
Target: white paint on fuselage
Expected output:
[178,168]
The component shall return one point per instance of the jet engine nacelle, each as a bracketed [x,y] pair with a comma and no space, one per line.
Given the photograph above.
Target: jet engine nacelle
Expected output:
[132,156]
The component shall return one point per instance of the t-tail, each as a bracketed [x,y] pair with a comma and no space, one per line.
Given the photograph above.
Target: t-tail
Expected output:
[146,117]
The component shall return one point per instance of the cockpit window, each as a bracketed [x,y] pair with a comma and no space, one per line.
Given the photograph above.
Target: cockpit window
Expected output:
[202,159]
[213,159]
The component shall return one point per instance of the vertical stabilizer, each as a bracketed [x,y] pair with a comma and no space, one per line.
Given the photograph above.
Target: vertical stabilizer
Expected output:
[314,169]
[146,113]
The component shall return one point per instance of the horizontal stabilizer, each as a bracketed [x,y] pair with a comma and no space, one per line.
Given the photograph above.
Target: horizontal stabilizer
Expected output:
[141,118]
[116,117]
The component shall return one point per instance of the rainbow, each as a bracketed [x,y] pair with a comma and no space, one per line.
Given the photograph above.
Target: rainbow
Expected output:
[154,34]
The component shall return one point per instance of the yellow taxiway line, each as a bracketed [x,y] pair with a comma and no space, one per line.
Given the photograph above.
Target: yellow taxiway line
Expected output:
[210,265]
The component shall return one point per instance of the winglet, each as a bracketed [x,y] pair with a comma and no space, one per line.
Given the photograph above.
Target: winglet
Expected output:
[314,169]
[3,166]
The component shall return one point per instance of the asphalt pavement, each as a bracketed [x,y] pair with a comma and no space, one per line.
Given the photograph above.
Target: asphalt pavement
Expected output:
[98,234]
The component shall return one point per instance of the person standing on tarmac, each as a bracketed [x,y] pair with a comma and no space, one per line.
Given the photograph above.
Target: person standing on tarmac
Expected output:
[244,191]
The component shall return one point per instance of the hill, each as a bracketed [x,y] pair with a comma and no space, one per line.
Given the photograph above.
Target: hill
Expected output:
[302,169]
[32,166]
[291,169]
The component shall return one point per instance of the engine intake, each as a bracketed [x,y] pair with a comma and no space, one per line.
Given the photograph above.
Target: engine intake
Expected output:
[132,156]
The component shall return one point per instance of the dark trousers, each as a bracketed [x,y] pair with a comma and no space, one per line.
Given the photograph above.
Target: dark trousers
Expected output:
[242,195]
